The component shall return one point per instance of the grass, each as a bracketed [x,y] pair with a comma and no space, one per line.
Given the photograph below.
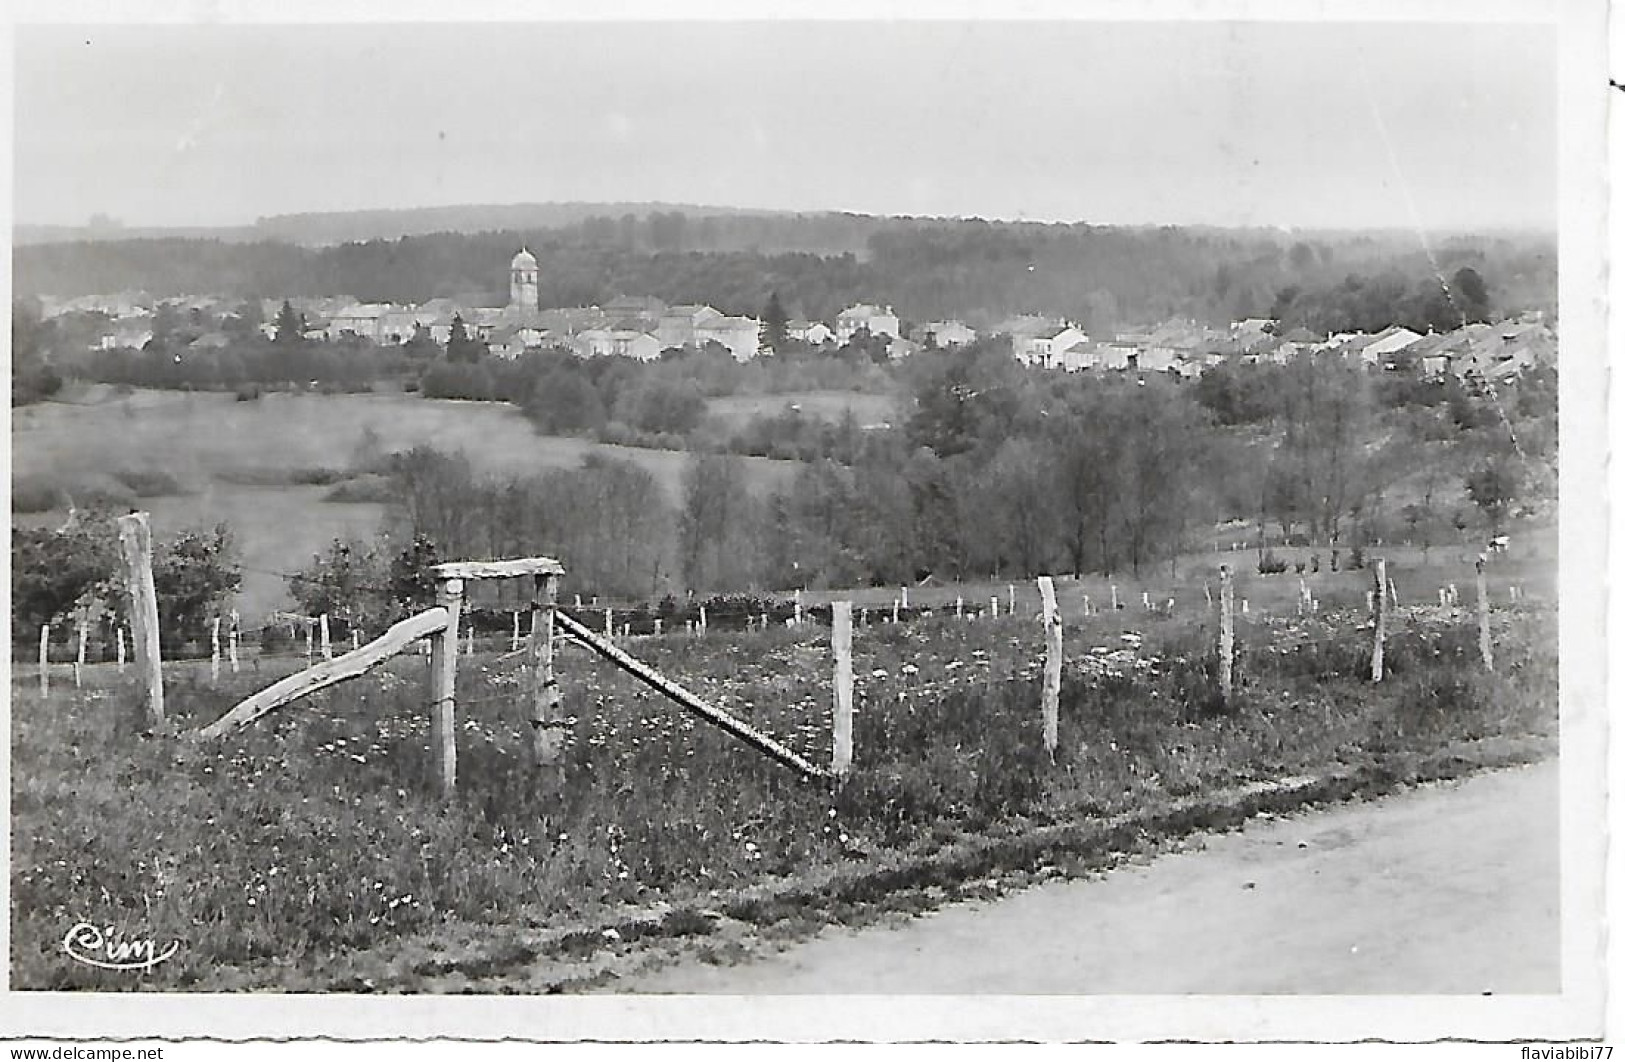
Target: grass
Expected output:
[736,411]
[264,467]
[315,836]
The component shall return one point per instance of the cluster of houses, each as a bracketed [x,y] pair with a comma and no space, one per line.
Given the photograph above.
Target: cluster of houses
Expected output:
[1488,352]
[643,328]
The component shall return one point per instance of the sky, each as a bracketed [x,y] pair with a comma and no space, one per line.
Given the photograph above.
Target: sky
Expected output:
[1309,124]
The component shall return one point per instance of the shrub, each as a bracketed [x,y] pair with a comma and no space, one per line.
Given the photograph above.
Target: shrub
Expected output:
[31,495]
[1270,564]
[370,488]
[150,483]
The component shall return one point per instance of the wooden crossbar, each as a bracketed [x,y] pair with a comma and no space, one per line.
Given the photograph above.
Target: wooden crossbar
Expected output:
[665,686]
[329,672]
[507,569]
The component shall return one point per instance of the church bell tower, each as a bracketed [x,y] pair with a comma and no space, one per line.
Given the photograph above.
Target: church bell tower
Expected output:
[522,285]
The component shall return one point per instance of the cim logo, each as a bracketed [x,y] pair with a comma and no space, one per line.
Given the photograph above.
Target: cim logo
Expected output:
[106,947]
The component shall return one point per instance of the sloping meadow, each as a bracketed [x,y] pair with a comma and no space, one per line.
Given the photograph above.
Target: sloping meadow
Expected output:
[318,831]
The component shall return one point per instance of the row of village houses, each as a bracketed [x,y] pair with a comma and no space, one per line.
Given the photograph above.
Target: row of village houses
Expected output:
[642,328]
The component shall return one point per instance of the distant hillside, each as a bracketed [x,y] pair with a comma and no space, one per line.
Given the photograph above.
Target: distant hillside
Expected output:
[324,228]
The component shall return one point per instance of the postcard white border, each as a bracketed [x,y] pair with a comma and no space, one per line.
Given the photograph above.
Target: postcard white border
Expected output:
[1578,1012]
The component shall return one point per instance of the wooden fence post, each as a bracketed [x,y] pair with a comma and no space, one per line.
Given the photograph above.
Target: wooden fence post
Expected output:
[841,643]
[609,623]
[1114,597]
[994,607]
[546,718]
[214,650]
[1484,617]
[894,610]
[1379,574]
[513,644]
[798,607]
[231,640]
[1010,591]
[327,643]
[1052,666]
[135,542]
[45,660]
[355,638]
[905,597]
[1227,633]
[79,660]
[120,632]
[443,685]
[657,625]
[702,619]
[310,641]
[959,606]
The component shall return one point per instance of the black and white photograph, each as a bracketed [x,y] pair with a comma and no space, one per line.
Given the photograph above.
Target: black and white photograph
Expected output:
[888,523]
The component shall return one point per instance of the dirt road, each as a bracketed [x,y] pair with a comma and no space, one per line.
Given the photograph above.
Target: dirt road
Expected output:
[1447,888]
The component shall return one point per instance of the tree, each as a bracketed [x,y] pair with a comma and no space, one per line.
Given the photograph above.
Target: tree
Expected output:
[32,377]
[775,322]
[1474,296]
[716,529]
[347,584]
[193,574]
[290,326]
[1493,487]
[411,576]
[460,346]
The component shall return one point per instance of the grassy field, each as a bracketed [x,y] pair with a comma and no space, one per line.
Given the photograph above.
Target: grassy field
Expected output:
[310,851]
[218,448]
[735,411]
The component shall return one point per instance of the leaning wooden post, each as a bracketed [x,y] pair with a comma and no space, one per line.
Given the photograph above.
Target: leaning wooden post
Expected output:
[135,541]
[546,715]
[1379,575]
[45,660]
[841,643]
[1484,618]
[1114,597]
[214,650]
[1227,633]
[1052,666]
[443,685]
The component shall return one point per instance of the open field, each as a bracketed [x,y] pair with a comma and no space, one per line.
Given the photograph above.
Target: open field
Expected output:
[309,851]
[218,447]
[735,411]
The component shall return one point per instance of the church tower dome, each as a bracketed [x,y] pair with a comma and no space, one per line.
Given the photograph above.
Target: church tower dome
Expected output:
[522,281]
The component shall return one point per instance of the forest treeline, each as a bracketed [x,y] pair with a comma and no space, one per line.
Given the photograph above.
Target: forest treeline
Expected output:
[1103,277]
[1002,472]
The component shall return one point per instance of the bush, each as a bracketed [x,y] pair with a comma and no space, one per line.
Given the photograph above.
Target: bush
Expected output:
[1270,564]
[370,488]
[30,495]
[150,483]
